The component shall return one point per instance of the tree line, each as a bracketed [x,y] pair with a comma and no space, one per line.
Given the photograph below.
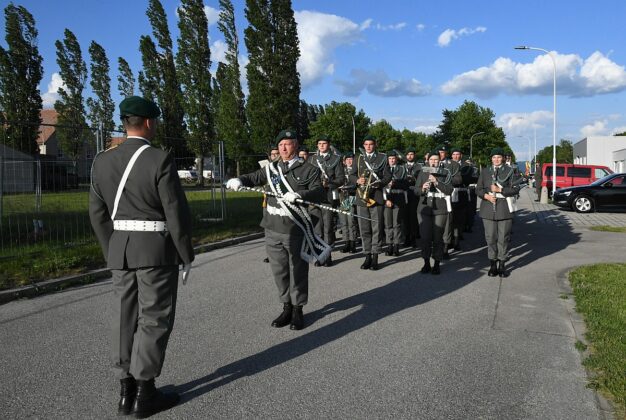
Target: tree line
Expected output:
[198,107]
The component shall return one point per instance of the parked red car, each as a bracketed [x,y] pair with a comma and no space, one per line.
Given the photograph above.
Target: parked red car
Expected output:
[572,175]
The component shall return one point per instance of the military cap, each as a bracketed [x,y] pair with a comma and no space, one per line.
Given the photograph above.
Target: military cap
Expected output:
[442,147]
[497,151]
[434,152]
[410,149]
[323,137]
[348,155]
[140,107]
[392,152]
[456,150]
[286,134]
[369,137]
[303,149]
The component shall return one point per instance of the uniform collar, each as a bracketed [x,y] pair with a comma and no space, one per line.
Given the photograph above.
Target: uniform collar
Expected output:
[139,138]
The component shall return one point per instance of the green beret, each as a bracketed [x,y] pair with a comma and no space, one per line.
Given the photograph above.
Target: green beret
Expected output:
[140,107]
[323,137]
[410,150]
[392,153]
[286,134]
[348,155]
[434,152]
[497,151]
[369,137]
[442,147]
[303,149]
[456,150]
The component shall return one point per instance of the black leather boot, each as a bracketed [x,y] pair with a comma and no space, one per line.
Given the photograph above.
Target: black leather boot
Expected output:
[285,316]
[436,270]
[446,253]
[150,401]
[502,269]
[374,265]
[396,250]
[389,251]
[346,248]
[493,270]
[329,261]
[426,268]
[297,318]
[352,247]
[128,391]
[367,263]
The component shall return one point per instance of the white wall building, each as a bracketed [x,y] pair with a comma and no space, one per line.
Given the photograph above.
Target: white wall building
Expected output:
[601,150]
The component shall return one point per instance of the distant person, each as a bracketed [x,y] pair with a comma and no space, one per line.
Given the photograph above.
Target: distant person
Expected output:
[140,215]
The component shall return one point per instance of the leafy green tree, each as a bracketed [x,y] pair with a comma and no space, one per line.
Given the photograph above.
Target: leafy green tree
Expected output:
[422,142]
[70,106]
[231,113]
[335,121]
[20,73]
[564,153]
[459,125]
[102,107]
[159,81]
[273,80]
[125,78]
[193,66]
[388,137]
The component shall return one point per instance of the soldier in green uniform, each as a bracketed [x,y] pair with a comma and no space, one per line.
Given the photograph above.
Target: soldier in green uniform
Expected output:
[470,173]
[434,187]
[303,153]
[286,242]
[460,199]
[455,173]
[349,225]
[410,215]
[140,215]
[497,185]
[370,175]
[331,170]
[395,195]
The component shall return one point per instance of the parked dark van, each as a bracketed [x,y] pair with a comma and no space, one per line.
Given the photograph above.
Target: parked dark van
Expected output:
[572,175]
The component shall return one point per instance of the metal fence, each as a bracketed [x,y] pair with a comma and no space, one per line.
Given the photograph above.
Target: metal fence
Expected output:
[44,197]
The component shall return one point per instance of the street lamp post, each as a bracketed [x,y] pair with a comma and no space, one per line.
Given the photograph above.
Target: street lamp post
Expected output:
[353,136]
[524,47]
[475,134]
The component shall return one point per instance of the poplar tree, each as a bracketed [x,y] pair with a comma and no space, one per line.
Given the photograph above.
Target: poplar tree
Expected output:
[159,81]
[231,116]
[125,78]
[193,63]
[273,80]
[70,107]
[101,107]
[20,73]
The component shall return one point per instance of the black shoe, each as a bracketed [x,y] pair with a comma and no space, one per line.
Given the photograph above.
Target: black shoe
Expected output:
[150,401]
[329,261]
[389,251]
[446,255]
[374,265]
[407,242]
[426,268]
[415,244]
[502,269]
[266,260]
[436,270]
[317,264]
[285,317]
[297,318]
[396,250]
[493,270]
[353,247]
[346,247]
[128,391]
[367,263]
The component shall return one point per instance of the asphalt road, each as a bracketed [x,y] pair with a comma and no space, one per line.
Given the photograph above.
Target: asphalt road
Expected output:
[387,344]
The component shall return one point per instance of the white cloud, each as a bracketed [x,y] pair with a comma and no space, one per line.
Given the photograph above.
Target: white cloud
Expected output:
[51,96]
[392,27]
[597,128]
[366,24]
[320,34]
[575,77]
[426,129]
[521,122]
[618,130]
[218,51]
[212,15]
[378,83]
[420,27]
[446,37]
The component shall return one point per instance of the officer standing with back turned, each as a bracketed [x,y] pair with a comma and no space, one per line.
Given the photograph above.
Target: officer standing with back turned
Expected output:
[140,215]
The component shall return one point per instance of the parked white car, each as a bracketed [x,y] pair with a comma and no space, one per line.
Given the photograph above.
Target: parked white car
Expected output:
[188,175]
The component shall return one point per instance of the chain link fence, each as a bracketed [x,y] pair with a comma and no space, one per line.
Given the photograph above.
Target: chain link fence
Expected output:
[44,197]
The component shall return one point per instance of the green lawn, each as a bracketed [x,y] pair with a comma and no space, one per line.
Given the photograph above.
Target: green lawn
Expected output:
[67,244]
[605,228]
[600,293]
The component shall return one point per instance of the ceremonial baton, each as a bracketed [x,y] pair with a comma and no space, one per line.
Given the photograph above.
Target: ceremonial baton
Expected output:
[310,203]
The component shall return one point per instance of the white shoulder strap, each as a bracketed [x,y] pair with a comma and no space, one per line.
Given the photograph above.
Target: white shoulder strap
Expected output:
[120,188]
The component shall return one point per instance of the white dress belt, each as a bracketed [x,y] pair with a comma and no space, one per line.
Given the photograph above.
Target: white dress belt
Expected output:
[140,225]
[436,195]
[276,211]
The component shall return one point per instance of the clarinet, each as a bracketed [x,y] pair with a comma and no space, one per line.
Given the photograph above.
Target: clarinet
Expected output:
[495,182]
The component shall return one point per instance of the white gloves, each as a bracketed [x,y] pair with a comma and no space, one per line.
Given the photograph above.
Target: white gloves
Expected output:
[291,197]
[233,184]
[186,272]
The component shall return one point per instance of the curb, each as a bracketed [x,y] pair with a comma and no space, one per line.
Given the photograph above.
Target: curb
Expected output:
[56,285]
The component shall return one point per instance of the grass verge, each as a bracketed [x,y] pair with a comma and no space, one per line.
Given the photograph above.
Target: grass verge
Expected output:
[605,228]
[600,293]
[30,263]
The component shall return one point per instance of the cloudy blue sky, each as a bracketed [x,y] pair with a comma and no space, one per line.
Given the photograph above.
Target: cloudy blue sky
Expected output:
[406,61]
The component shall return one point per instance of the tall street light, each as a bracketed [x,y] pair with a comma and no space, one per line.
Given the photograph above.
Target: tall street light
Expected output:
[524,47]
[475,134]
